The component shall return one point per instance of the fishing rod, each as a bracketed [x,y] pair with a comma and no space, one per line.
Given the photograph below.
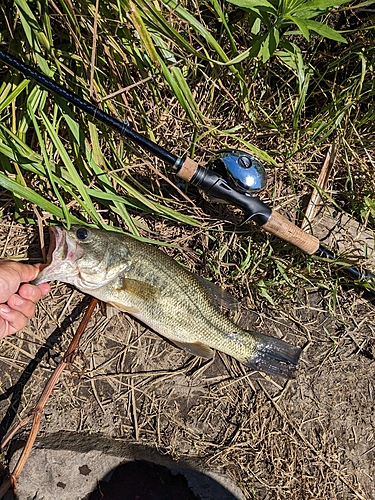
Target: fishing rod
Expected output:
[234,175]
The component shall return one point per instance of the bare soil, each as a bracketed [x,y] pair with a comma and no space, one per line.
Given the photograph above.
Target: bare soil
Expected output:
[309,438]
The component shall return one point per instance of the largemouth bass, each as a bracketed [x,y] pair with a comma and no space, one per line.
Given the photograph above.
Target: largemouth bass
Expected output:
[139,279]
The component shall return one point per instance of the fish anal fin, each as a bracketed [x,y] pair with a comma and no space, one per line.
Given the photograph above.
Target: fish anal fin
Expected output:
[195,348]
[138,288]
[218,296]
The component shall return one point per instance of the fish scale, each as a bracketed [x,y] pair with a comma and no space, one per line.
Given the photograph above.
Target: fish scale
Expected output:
[142,280]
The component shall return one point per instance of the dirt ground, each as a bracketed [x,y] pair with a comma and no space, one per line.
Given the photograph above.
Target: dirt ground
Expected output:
[309,438]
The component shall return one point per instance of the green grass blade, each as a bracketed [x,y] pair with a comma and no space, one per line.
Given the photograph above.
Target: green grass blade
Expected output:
[35,198]
[13,95]
[49,169]
[86,202]
[34,34]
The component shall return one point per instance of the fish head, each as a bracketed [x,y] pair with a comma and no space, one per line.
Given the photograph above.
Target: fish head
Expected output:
[84,257]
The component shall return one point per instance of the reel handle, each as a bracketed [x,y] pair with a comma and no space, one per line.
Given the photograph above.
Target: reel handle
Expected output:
[254,209]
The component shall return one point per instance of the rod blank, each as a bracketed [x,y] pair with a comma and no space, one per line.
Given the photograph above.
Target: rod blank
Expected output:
[122,127]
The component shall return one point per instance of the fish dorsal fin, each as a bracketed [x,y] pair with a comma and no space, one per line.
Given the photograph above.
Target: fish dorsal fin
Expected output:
[219,297]
[196,348]
[138,288]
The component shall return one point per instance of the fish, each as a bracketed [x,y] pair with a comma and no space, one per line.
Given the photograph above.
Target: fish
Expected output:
[142,280]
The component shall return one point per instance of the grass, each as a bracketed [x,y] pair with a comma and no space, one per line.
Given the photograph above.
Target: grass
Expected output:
[186,75]
[191,80]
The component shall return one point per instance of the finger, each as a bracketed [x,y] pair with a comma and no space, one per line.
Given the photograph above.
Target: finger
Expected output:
[24,306]
[30,292]
[25,272]
[12,321]
[44,288]
[4,325]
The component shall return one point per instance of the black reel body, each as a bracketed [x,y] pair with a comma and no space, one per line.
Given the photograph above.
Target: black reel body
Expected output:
[240,169]
[232,177]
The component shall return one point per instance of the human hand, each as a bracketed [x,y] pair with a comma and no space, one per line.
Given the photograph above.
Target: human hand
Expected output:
[17,296]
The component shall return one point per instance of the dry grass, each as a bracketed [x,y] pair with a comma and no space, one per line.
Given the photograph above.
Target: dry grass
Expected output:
[310,438]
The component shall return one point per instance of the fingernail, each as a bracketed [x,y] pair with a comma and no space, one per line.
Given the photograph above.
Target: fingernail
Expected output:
[29,291]
[4,309]
[18,301]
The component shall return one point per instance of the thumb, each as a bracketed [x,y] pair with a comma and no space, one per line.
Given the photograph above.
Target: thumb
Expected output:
[26,272]
[12,274]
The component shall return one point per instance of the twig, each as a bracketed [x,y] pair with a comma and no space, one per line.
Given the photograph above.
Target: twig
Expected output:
[3,253]
[134,410]
[41,221]
[321,185]
[37,411]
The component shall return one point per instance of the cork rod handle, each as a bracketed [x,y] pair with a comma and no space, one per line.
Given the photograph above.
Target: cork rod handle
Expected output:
[280,226]
[188,169]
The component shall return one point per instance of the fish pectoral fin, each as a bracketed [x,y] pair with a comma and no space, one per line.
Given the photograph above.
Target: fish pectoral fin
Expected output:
[109,310]
[138,288]
[196,348]
[120,307]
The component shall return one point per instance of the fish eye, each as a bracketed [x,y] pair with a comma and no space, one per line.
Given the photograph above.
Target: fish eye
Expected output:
[82,233]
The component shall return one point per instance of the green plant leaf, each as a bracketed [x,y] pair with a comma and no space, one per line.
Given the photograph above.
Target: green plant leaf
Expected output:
[86,202]
[193,21]
[143,33]
[49,168]
[321,5]
[34,34]
[253,4]
[302,26]
[315,8]
[270,44]
[251,52]
[324,30]
[35,198]
[14,94]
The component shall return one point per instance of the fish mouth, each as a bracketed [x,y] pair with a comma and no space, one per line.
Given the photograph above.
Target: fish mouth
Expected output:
[54,235]
[57,240]
[62,253]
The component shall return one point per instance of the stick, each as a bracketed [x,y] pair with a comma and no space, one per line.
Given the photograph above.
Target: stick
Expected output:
[37,411]
[315,199]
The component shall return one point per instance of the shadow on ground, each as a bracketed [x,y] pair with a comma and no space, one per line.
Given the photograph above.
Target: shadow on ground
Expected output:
[149,481]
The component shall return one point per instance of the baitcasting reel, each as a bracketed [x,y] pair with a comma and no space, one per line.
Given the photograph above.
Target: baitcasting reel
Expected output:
[242,171]
[233,176]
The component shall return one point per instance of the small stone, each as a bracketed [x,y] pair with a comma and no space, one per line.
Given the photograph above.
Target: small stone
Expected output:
[84,470]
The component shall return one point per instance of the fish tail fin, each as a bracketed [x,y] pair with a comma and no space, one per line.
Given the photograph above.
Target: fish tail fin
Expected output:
[273,356]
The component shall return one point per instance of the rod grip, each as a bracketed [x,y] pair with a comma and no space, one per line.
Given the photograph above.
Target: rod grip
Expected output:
[280,226]
[188,169]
